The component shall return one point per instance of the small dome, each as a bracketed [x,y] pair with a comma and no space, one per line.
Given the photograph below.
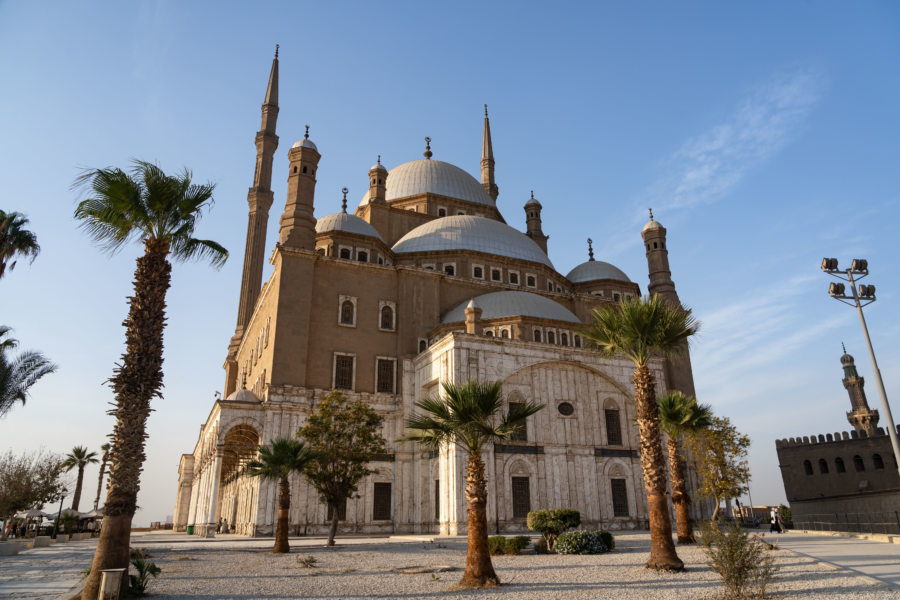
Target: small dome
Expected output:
[433,177]
[497,305]
[651,224]
[242,395]
[533,202]
[846,359]
[305,143]
[348,223]
[377,167]
[594,270]
[465,232]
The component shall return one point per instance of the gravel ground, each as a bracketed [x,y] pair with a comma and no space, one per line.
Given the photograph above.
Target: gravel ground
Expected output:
[369,572]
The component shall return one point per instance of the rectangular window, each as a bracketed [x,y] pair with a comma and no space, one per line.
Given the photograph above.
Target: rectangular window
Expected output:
[385,376]
[496,275]
[514,278]
[342,511]
[381,510]
[521,434]
[437,499]
[521,497]
[619,497]
[343,372]
[613,428]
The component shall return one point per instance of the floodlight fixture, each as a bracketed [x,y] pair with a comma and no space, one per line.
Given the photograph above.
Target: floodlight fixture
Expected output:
[829,264]
[860,266]
[866,291]
[836,290]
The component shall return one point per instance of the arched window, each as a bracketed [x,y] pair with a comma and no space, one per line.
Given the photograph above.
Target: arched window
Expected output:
[478,273]
[858,464]
[563,339]
[387,317]
[578,341]
[449,269]
[345,253]
[504,333]
[442,212]
[537,335]
[347,313]
[823,466]
[423,345]
[551,337]
[362,256]
[488,333]
[807,467]
[879,462]
[839,465]
[530,281]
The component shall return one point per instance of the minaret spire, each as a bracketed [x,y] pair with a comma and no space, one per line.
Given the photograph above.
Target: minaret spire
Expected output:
[861,416]
[487,159]
[259,200]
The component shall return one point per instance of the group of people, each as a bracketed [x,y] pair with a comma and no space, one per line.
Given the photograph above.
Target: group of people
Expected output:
[222,526]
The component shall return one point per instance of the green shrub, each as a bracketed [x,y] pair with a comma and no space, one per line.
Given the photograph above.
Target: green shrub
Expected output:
[498,544]
[540,546]
[137,584]
[550,523]
[743,562]
[584,542]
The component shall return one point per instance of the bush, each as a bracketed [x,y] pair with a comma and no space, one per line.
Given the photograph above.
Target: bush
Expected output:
[540,546]
[137,584]
[498,544]
[584,542]
[743,562]
[550,523]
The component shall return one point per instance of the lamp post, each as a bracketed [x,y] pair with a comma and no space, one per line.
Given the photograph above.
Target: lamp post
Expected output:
[862,295]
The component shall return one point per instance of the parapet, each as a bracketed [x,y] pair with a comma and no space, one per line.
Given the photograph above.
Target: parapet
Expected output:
[829,437]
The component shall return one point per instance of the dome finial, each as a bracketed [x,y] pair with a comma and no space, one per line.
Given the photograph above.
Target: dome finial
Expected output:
[485,110]
[276,50]
[379,159]
[344,202]
[532,194]
[651,214]
[306,135]
[427,152]
[590,249]
[844,348]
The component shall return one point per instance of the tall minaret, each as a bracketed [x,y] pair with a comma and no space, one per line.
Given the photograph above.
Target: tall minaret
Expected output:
[861,417]
[533,223]
[678,370]
[487,160]
[259,199]
[298,225]
[377,183]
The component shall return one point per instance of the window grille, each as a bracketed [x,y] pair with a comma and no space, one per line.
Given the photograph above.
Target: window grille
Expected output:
[381,509]
[387,317]
[521,497]
[347,313]
[613,428]
[343,372]
[619,497]
[385,376]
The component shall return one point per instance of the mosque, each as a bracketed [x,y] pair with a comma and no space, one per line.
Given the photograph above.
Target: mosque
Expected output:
[423,283]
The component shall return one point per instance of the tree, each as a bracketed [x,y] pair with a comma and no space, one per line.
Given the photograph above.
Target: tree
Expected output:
[103,461]
[28,481]
[276,462]
[345,437]
[719,453]
[640,329]
[468,417]
[79,458]
[161,211]
[18,373]
[680,414]
[15,240]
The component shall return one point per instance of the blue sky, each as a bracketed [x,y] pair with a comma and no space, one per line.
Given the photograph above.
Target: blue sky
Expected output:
[764,136]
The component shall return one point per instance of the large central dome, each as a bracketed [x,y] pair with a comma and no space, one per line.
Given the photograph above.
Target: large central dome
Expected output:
[432,177]
[465,232]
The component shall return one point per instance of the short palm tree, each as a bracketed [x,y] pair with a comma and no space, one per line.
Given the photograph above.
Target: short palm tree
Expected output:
[79,458]
[640,329]
[680,414]
[103,461]
[18,373]
[15,240]
[160,211]
[469,417]
[277,461]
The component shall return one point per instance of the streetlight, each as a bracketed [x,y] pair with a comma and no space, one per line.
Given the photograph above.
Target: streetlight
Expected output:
[862,295]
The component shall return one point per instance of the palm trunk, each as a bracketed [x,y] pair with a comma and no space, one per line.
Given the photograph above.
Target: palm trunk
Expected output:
[100,481]
[662,550]
[284,511]
[680,497]
[479,570]
[134,382]
[332,529]
[76,499]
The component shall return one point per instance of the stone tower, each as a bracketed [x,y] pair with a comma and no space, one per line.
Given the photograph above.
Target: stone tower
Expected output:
[298,225]
[377,183]
[259,199]
[533,223]
[861,417]
[678,370]
[487,160]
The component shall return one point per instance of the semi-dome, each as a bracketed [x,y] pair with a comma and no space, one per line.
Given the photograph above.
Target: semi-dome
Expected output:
[465,232]
[498,305]
[347,223]
[242,395]
[433,177]
[594,270]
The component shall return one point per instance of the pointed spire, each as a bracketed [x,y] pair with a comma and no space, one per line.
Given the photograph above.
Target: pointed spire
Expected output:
[487,149]
[272,89]
[344,201]
[590,250]
[844,348]
[487,160]
[427,154]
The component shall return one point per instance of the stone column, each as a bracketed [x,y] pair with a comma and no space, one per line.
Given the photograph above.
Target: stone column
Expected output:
[212,499]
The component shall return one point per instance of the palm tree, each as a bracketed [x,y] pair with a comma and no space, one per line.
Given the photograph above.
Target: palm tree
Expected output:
[15,240]
[466,417]
[679,414]
[105,448]
[277,462]
[18,373]
[78,458]
[160,211]
[640,329]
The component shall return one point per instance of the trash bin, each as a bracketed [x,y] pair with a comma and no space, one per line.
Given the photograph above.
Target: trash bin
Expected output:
[190,530]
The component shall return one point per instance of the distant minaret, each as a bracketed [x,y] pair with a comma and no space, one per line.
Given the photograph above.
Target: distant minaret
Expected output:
[298,225]
[861,417]
[533,223]
[678,370]
[487,160]
[377,183]
[259,198]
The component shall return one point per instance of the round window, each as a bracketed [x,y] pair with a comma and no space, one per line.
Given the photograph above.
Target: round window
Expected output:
[565,409]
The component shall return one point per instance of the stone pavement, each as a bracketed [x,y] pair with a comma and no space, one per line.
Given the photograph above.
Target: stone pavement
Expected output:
[878,560]
[53,572]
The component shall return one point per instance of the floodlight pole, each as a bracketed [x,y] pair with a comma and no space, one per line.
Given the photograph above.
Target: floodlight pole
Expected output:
[892,427]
